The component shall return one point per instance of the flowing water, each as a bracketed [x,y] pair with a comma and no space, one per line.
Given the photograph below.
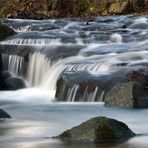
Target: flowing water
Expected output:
[42,51]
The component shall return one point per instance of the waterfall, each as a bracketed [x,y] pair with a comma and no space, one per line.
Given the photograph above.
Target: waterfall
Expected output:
[43,73]
[22,41]
[91,96]
[13,64]
[86,96]
[49,83]
[96,67]
[71,95]
[38,66]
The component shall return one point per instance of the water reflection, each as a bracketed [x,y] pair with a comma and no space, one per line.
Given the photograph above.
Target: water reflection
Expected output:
[34,124]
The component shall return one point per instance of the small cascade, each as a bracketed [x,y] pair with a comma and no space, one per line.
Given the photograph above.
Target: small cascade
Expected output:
[94,94]
[49,83]
[13,64]
[91,67]
[71,95]
[50,80]
[91,96]
[21,28]
[74,94]
[102,96]
[21,41]
[38,66]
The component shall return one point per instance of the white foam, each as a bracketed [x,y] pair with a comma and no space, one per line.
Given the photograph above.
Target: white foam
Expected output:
[140,20]
[116,38]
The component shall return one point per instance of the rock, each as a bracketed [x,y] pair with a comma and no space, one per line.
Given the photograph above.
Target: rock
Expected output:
[131,94]
[87,86]
[14,83]
[6,74]
[98,130]
[3,114]
[5,32]
[8,82]
[2,82]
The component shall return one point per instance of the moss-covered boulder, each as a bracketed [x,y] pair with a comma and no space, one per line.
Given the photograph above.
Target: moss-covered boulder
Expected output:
[5,32]
[131,94]
[98,130]
[3,114]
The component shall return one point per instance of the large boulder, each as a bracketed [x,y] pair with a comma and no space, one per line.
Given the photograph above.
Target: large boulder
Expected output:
[98,130]
[5,32]
[87,86]
[3,114]
[131,94]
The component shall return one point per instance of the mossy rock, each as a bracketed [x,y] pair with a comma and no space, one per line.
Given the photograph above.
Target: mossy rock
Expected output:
[98,130]
[131,95]
[5,32]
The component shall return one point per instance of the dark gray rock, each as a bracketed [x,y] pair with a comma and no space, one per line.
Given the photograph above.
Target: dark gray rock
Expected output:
[6,74]
[131,94]
[5,32]
[98,130]
[2,82]
[86,86]
[14,83]
[87,82]
[3,114]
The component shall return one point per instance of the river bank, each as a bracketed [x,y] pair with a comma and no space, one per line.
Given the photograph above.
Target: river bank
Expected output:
[43,9]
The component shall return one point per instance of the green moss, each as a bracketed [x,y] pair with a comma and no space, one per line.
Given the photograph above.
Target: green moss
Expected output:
[98,130]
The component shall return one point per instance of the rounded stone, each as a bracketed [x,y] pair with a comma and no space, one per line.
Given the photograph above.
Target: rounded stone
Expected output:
[98,130]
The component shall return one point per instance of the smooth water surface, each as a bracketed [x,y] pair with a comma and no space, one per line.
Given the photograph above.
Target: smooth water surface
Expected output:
[35,122]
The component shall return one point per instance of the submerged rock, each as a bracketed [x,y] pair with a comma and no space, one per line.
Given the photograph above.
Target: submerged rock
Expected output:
[3,114]
[98,130]
[5,32]
[131,94]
